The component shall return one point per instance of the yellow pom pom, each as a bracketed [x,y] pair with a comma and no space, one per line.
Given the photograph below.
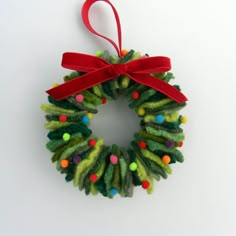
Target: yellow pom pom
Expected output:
[125,82]
[90,115]
[141,112]
[55,85]
[184,119]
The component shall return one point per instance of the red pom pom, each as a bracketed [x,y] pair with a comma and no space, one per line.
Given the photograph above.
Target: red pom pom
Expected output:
[104,100]
[145,184]
[93,178]
[92,142]
[142,145]
[135,95]
[62,118]
[181,143]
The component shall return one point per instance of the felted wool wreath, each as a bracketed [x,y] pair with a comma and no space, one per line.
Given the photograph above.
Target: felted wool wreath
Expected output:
[84,158]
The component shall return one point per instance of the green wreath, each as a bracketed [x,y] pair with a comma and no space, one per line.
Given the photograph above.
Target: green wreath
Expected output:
[96,167]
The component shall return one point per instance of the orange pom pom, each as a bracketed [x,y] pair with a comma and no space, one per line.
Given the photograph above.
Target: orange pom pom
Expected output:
[124,52]
[166,159]
[64,163]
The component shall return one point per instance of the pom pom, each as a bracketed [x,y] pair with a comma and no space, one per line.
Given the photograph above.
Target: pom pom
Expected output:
[63,118]
[166,159]
[66,137]
[159,119]
[114,191]
[85,120]
[142,145]
[145,184]
[135,95]
[76,159]
[79,98]
[183,119]
[64,163]
[55,85]
[93,178]
[133,166]
[170,144]
[124,52]
[92,142]
[181,143]
[141,112]
[99,53]
[113,159]
[90,115]
[104,100]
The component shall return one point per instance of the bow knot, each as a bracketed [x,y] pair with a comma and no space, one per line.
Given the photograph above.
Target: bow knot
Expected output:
[119,69]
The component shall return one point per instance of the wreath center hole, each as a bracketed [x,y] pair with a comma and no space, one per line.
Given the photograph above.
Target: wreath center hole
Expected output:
[116,123]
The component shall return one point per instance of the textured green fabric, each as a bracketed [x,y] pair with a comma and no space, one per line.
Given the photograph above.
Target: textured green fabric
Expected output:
[76,117]
[71,143]
[163,133]
[143,98]
[171,107]
[153,146]
[91,97]
[86,164]
[63,104]
[123,172]
[55,144]
[71,129]
[108,178]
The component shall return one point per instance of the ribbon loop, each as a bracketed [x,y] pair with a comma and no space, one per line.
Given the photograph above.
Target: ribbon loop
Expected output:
[85,17]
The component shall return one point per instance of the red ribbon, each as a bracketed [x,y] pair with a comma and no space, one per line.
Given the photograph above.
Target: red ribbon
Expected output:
[85,16]
[99,71]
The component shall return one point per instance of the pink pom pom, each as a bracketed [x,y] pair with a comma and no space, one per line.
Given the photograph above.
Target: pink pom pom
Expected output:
[113,159]
[79,98]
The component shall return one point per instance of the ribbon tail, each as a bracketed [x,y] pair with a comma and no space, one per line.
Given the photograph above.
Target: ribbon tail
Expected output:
[82,83]
[159,85]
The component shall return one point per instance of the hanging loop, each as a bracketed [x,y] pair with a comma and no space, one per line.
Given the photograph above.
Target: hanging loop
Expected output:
[85,17]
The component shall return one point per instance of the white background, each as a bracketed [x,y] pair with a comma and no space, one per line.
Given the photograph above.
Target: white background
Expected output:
[199,198]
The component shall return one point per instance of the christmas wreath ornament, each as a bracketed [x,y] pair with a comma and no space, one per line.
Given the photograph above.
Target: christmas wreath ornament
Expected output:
[85,159]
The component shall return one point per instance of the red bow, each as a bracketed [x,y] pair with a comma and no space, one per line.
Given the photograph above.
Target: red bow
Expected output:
[99,71]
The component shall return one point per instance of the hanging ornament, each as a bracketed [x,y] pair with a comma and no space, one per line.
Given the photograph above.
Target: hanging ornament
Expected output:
[144,80]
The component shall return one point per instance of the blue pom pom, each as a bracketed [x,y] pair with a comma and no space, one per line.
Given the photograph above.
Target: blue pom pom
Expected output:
[114,191]
[85,120]
[160,119]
